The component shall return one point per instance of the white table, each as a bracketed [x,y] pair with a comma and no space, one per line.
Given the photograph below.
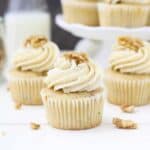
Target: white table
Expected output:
[15,125]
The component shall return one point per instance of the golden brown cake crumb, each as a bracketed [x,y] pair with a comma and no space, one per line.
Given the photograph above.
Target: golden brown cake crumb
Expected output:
[78,57]
[36,41]
[18,106]
[127,108]
[35,126]
[131,43]
[124,124]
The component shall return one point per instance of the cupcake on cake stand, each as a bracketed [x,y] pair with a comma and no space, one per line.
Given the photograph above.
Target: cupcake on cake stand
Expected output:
[97,41]
[100,22]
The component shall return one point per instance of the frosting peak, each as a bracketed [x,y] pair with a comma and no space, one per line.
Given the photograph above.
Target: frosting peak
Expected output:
[74,72]
[131,55]
[37,55]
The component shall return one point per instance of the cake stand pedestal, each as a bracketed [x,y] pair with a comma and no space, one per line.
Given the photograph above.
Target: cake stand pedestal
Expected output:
[97,41]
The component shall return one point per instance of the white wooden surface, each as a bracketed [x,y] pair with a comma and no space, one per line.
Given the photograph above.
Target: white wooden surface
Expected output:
[15,132]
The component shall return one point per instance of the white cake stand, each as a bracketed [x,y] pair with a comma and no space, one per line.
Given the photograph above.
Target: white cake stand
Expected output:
[97,41]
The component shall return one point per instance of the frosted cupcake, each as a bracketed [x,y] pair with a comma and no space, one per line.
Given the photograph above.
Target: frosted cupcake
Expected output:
[30,66]
[73,98]
[80,12]
[124,13]
[128,77]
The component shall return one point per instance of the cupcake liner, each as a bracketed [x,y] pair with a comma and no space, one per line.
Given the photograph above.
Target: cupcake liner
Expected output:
[26,90]
[80,12]
[127,89]
[73,111]
[123,15]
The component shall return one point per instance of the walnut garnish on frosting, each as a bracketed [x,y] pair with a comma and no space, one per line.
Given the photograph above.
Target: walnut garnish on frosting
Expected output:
[78,57]
[113,1]
[130,43]
[36,41]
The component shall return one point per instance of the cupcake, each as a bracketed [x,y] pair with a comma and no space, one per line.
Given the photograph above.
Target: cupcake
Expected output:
[30,66]
[123,13]
[80,12]
[73,98]
[128,77]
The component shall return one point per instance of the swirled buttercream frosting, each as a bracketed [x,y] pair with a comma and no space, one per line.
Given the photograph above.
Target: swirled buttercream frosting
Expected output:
[74,72]
[131,56]
[37,55]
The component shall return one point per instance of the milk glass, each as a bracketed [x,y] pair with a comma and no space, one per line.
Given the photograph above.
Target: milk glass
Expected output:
[25,18]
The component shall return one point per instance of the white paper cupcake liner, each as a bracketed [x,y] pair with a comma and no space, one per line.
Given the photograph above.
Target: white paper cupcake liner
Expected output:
[80,12]
[123,15]
[73,111]
[127,89]
[26,90]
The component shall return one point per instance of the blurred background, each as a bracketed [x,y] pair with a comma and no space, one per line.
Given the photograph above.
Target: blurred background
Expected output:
[58,35]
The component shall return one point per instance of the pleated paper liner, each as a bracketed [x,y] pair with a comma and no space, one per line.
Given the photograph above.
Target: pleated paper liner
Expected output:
[123,15]
[73,111]
[26,89]
[81,12]
[127,89]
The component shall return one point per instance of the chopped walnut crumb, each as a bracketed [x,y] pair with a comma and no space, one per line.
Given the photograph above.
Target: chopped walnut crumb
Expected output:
[124,124]
[113,1]
[36,41]
[127,108]
[18,106]
[35,126]
[2,133]
[131,43]
[78,57]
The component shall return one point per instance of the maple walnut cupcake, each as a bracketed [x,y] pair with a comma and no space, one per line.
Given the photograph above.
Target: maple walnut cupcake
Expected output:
[128,76]
[30,66]
[124,13]
[80,12]
[73,98]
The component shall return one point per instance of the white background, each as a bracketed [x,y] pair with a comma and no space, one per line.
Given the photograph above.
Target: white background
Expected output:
[15,125]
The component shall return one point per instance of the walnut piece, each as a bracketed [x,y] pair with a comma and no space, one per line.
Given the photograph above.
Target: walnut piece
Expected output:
[113,1]
[34,126]
[36,41]
[18,106]
[78,57]
[130,43]
[124,124]
[127,108]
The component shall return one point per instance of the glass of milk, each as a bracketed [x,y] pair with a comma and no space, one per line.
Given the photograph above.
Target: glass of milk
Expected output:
[25,18]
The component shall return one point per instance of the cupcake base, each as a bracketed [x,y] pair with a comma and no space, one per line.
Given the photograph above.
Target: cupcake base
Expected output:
[73,111]
[81,12]
[25,87]
[129,89]
[123,15]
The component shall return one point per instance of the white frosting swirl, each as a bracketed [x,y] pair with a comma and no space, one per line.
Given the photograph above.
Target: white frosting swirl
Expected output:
[72,77]
[125,60]
[36,59]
